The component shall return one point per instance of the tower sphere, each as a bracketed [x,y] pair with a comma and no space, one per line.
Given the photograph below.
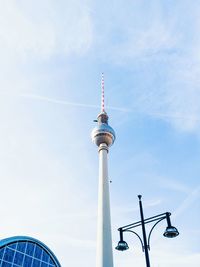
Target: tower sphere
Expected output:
[103,133]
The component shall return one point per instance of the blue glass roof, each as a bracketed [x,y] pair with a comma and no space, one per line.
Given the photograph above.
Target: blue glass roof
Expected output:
[23,251]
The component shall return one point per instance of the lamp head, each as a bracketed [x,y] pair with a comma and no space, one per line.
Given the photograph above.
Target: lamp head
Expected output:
[171,232]
[122,245]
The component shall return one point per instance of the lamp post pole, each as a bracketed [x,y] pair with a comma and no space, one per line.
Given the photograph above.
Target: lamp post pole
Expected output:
[170,231]
[146,247]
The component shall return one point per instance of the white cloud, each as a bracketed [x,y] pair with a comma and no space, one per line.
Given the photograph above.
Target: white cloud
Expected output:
[163,46]
[177,257]
[173,184]
[164,252]
[43,29]
[145,44]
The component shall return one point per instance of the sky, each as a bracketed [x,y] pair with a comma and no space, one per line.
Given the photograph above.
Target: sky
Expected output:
[52,56]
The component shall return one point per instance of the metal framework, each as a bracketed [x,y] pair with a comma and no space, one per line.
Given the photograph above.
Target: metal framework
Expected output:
[170,232]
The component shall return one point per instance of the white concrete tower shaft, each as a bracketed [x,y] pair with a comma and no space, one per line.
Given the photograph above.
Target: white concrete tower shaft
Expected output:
[104,237]
[103,136]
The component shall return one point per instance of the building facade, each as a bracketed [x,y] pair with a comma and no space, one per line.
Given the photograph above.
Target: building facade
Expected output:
[23,251]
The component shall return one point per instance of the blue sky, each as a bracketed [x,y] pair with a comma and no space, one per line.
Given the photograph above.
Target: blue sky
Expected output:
[52,55]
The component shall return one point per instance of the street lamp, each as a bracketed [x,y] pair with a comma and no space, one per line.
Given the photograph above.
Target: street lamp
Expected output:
[170,231]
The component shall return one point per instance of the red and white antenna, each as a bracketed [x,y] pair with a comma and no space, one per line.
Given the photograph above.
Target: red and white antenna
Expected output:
[102,94]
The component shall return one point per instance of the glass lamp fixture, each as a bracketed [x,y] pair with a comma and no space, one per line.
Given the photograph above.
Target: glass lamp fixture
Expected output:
[122,245]
[171,232]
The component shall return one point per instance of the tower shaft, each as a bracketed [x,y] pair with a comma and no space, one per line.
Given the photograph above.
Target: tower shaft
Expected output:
[103,136]
[104,237]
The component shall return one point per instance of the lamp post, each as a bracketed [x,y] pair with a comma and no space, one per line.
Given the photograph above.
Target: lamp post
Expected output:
[170,231]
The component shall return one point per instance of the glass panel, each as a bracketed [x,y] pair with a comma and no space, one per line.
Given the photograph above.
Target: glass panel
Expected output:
[27,261]
[21,246]
[51,265]
[45,257]
[1,252]
[6,264]
[51,261]
[9,254]
[13,245]
[38,252]
[18,258]
[44,264]
[30,248]
[36,263]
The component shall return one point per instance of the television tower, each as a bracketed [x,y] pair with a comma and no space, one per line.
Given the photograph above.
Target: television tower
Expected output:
[103,136]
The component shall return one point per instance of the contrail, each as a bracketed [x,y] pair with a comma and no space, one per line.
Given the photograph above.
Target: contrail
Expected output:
[127,110]
[75,104]
[189,200]
[121,109]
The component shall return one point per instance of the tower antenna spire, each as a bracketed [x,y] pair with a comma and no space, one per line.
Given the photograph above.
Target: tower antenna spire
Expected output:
[102,94]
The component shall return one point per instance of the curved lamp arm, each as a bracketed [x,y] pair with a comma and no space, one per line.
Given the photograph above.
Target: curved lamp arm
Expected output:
[138,237]
[152,230]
